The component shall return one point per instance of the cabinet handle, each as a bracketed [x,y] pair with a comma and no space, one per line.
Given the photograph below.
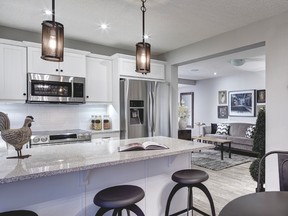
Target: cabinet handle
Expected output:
[24,94]
[61,70]
[87,96]
[57,70]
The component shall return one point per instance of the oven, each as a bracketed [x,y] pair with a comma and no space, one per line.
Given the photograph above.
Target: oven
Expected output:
[59,137]
[48,88]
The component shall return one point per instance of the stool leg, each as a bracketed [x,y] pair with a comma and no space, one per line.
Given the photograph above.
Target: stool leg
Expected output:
[102,211]
[117,212]
[128,212]
[208,195]
[134,208]
[189,201]
[172,193]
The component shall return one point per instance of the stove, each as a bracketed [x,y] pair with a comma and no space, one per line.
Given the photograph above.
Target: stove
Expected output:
[59,137]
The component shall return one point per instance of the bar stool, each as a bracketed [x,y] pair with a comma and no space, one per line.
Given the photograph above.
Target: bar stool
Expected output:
[190,178]
[18,213]
[118,198]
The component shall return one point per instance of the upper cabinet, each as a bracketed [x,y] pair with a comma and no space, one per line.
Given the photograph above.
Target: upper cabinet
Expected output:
[127,65]
[12,72]
[99,79]
[74,64]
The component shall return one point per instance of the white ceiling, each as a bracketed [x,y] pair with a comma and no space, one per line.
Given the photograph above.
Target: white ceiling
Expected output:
[221,66]
[171,23]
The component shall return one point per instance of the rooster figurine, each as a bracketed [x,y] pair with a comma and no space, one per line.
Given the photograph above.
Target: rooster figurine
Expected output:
[16,137]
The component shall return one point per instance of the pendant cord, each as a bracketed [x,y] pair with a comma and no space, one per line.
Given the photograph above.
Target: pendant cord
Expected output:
[143,9]
[53,11]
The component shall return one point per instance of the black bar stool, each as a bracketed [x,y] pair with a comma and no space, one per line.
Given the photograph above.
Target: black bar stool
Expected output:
[118,198]
[18,213]
[190,178]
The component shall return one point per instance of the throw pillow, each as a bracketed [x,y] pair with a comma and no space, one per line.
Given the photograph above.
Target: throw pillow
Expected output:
[213,128]
[250,131]
[222,129]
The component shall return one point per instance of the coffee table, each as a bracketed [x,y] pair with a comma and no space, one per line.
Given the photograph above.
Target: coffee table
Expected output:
[215,141]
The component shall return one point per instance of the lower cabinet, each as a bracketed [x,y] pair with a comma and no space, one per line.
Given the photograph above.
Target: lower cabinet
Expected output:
[98,80]
[103,135]
[12,72]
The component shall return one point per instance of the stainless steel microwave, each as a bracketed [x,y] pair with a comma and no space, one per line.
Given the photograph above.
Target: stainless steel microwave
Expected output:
[55,89]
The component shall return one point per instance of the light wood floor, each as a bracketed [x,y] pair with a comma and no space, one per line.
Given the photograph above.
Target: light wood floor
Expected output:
[224,186]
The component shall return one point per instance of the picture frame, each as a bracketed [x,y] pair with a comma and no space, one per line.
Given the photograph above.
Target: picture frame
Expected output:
[188,99]
[242,103]
[223,112]
[222,97]
[261,96]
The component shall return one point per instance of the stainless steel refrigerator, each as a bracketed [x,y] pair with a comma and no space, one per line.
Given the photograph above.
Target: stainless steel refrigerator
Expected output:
[144,108]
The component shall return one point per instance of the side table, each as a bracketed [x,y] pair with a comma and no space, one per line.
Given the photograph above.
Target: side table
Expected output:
[184,134]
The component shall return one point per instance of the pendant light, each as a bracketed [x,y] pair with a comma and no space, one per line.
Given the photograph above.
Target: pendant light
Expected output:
[143,49]
[52,39]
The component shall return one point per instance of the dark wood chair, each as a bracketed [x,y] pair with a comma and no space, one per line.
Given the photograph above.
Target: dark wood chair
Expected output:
[283,169]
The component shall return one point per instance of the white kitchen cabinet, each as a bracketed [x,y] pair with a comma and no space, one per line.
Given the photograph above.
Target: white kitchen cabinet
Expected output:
[74,64]
[12,72]
[127,68]
[105,135]
[98,79]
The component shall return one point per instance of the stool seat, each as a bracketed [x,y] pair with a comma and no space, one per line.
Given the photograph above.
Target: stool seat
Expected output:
[119,196]
[190,176]
[18,213]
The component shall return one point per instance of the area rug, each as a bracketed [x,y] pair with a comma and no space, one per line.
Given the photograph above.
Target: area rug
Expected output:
[211,159]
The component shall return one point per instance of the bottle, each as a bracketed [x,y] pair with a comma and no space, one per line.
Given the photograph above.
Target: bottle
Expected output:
[98,122]
[92,122]
[106,122]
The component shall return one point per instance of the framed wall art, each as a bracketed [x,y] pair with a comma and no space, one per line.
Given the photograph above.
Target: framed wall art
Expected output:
[188,99]
[223,112]
[242,103]
[261,96]
[222,97]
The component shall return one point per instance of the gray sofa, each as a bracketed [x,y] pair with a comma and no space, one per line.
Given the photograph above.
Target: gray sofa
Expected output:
[237,133]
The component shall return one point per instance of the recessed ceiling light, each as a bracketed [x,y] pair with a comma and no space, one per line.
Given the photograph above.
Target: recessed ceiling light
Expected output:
[215,73]
[104,26]
[47,12]
[146,37]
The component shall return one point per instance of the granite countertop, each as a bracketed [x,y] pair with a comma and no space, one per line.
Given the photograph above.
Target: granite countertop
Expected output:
[60,159]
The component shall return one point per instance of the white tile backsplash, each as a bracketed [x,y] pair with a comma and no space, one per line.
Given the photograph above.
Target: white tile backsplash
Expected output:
[53,116]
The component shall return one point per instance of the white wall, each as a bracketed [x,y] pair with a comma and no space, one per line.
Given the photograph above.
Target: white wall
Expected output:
[206,96]
[274,32]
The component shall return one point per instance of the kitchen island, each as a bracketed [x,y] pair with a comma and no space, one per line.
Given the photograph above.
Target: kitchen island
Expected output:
[63,179]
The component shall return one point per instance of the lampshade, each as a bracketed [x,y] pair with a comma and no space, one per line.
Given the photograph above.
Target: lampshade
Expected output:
[143,49]
[52,41]
[143,57]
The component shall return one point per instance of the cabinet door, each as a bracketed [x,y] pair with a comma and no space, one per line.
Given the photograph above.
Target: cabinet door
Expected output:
[73,64]
[127,68]
[38,65]
[98,80]
[12,72]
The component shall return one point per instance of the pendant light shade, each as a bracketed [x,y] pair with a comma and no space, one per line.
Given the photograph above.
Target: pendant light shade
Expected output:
[143,49]
[52,39]
[143,57]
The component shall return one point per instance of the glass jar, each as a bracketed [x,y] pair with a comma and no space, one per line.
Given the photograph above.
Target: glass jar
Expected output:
[98,122]
[92,122]
[106,122]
